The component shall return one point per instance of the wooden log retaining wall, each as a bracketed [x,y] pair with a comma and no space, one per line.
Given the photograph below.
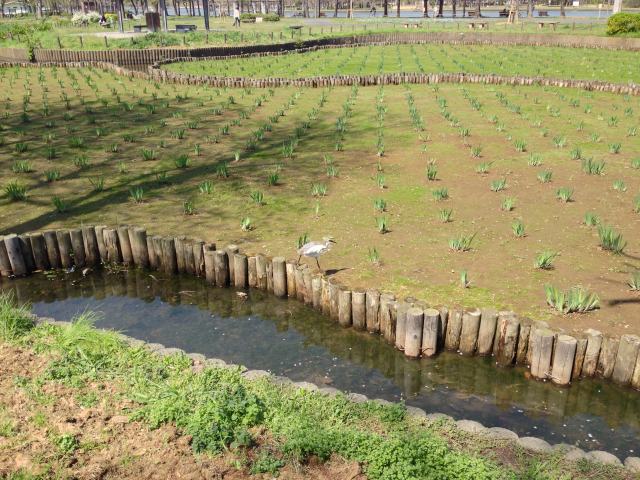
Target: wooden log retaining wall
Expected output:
[407,324]
[152,55]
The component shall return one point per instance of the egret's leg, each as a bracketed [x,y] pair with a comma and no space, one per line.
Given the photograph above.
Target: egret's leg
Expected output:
[318,263]
[299,258]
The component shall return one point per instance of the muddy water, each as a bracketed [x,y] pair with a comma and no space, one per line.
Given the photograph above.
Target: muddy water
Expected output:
[287,338]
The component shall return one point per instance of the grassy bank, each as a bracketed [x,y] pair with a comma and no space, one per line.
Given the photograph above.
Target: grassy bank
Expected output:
[228,422]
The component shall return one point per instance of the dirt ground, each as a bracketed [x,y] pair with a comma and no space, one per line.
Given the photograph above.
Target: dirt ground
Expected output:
[109,446]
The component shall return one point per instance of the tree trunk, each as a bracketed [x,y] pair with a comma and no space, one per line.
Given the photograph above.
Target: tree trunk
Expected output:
[120,16]
[562,12]
[385,8]
[453,7]
[205,8]
[398,9]
[617,6]
[440,8]
[464,8]
[530,8]
[479,13]
[425,8]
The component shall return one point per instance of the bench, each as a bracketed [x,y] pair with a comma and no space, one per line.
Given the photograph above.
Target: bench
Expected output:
[185,28]
[479,25]
[138,28]
[544,24]
[543,13]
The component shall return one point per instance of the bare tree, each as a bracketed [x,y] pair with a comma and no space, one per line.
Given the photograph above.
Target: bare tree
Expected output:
[440,8]
[425,8]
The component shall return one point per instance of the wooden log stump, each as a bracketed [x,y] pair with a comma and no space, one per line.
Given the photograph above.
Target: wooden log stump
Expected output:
[359,309]
[344,307]
[102,249]
[454,328]
[607,358]
[269,275]
[291,267]
[39,249]
[139,249]
[299,277]
[189,260]
[77,243]
[169,258]
[523,342]
[252,271]
[91,251]
[261,272]
[487,331]
[53,253]
[431,333]
[221,266]
[635,378]
[592,353]
[444,323]
[563,358]
[316,292]
[334,300]
[5,264]
[541,351]
[153,258]
[198,257]
[373,310]
[279,276]
[66,248]
[306,281]
[112,244]
[27,253]
[507,338]
[125,245]
[209,266]
[581,349]
[402,307]
[325,299]
[414,326]
[388,317]
[14,253]
[469,331]
[626,359]
[157,247]
[179,244]
[241,278]
[231,251]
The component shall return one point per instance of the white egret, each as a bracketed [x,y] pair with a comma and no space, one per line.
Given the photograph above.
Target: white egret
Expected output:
[315,249]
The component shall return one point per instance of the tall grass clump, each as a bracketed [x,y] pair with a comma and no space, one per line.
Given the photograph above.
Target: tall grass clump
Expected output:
[15,320]
[16,191]
[461,243]
[575,300]
[611,240]
[544,260]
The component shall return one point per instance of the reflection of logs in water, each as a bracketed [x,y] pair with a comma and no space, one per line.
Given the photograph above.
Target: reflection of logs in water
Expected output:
[464,376]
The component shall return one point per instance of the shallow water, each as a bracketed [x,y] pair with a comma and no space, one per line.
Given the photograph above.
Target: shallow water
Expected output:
[288,338]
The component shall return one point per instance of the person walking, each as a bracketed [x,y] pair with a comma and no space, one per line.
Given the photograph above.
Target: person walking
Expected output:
[236,15]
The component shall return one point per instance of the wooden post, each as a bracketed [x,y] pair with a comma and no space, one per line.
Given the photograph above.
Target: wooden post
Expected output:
[401,323]
[487,331]
[291,278]
[300,288]
[563,357]
[469,332]
[359,309]
[372,309]
[279,277]
[157,247]
[269,275]
[430,332]
[454,328]
[39,249]
[594,343]
[27,253]
[252,270]
[151,249]
[325,302]
[221,267]
[169,258]
[198,257]
[90,241]
[209,266]
[507,338]
[541,352]
[189,260]
[581,350]
[100,239]
[306,280]
[125,245]
[414,329]
[53,253]
[344,307]
[14,252]
[523,342]
[625,360]
[607,358]
[139,250]
[261,272]
[112,244]
[179,243]
[231,251]
[388,317]
[5,264]
[240,270]
[65,248]
[334,300]
[77,243]
[316,292]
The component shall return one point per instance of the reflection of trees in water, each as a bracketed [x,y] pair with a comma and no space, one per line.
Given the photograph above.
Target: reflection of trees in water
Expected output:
[464,377]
